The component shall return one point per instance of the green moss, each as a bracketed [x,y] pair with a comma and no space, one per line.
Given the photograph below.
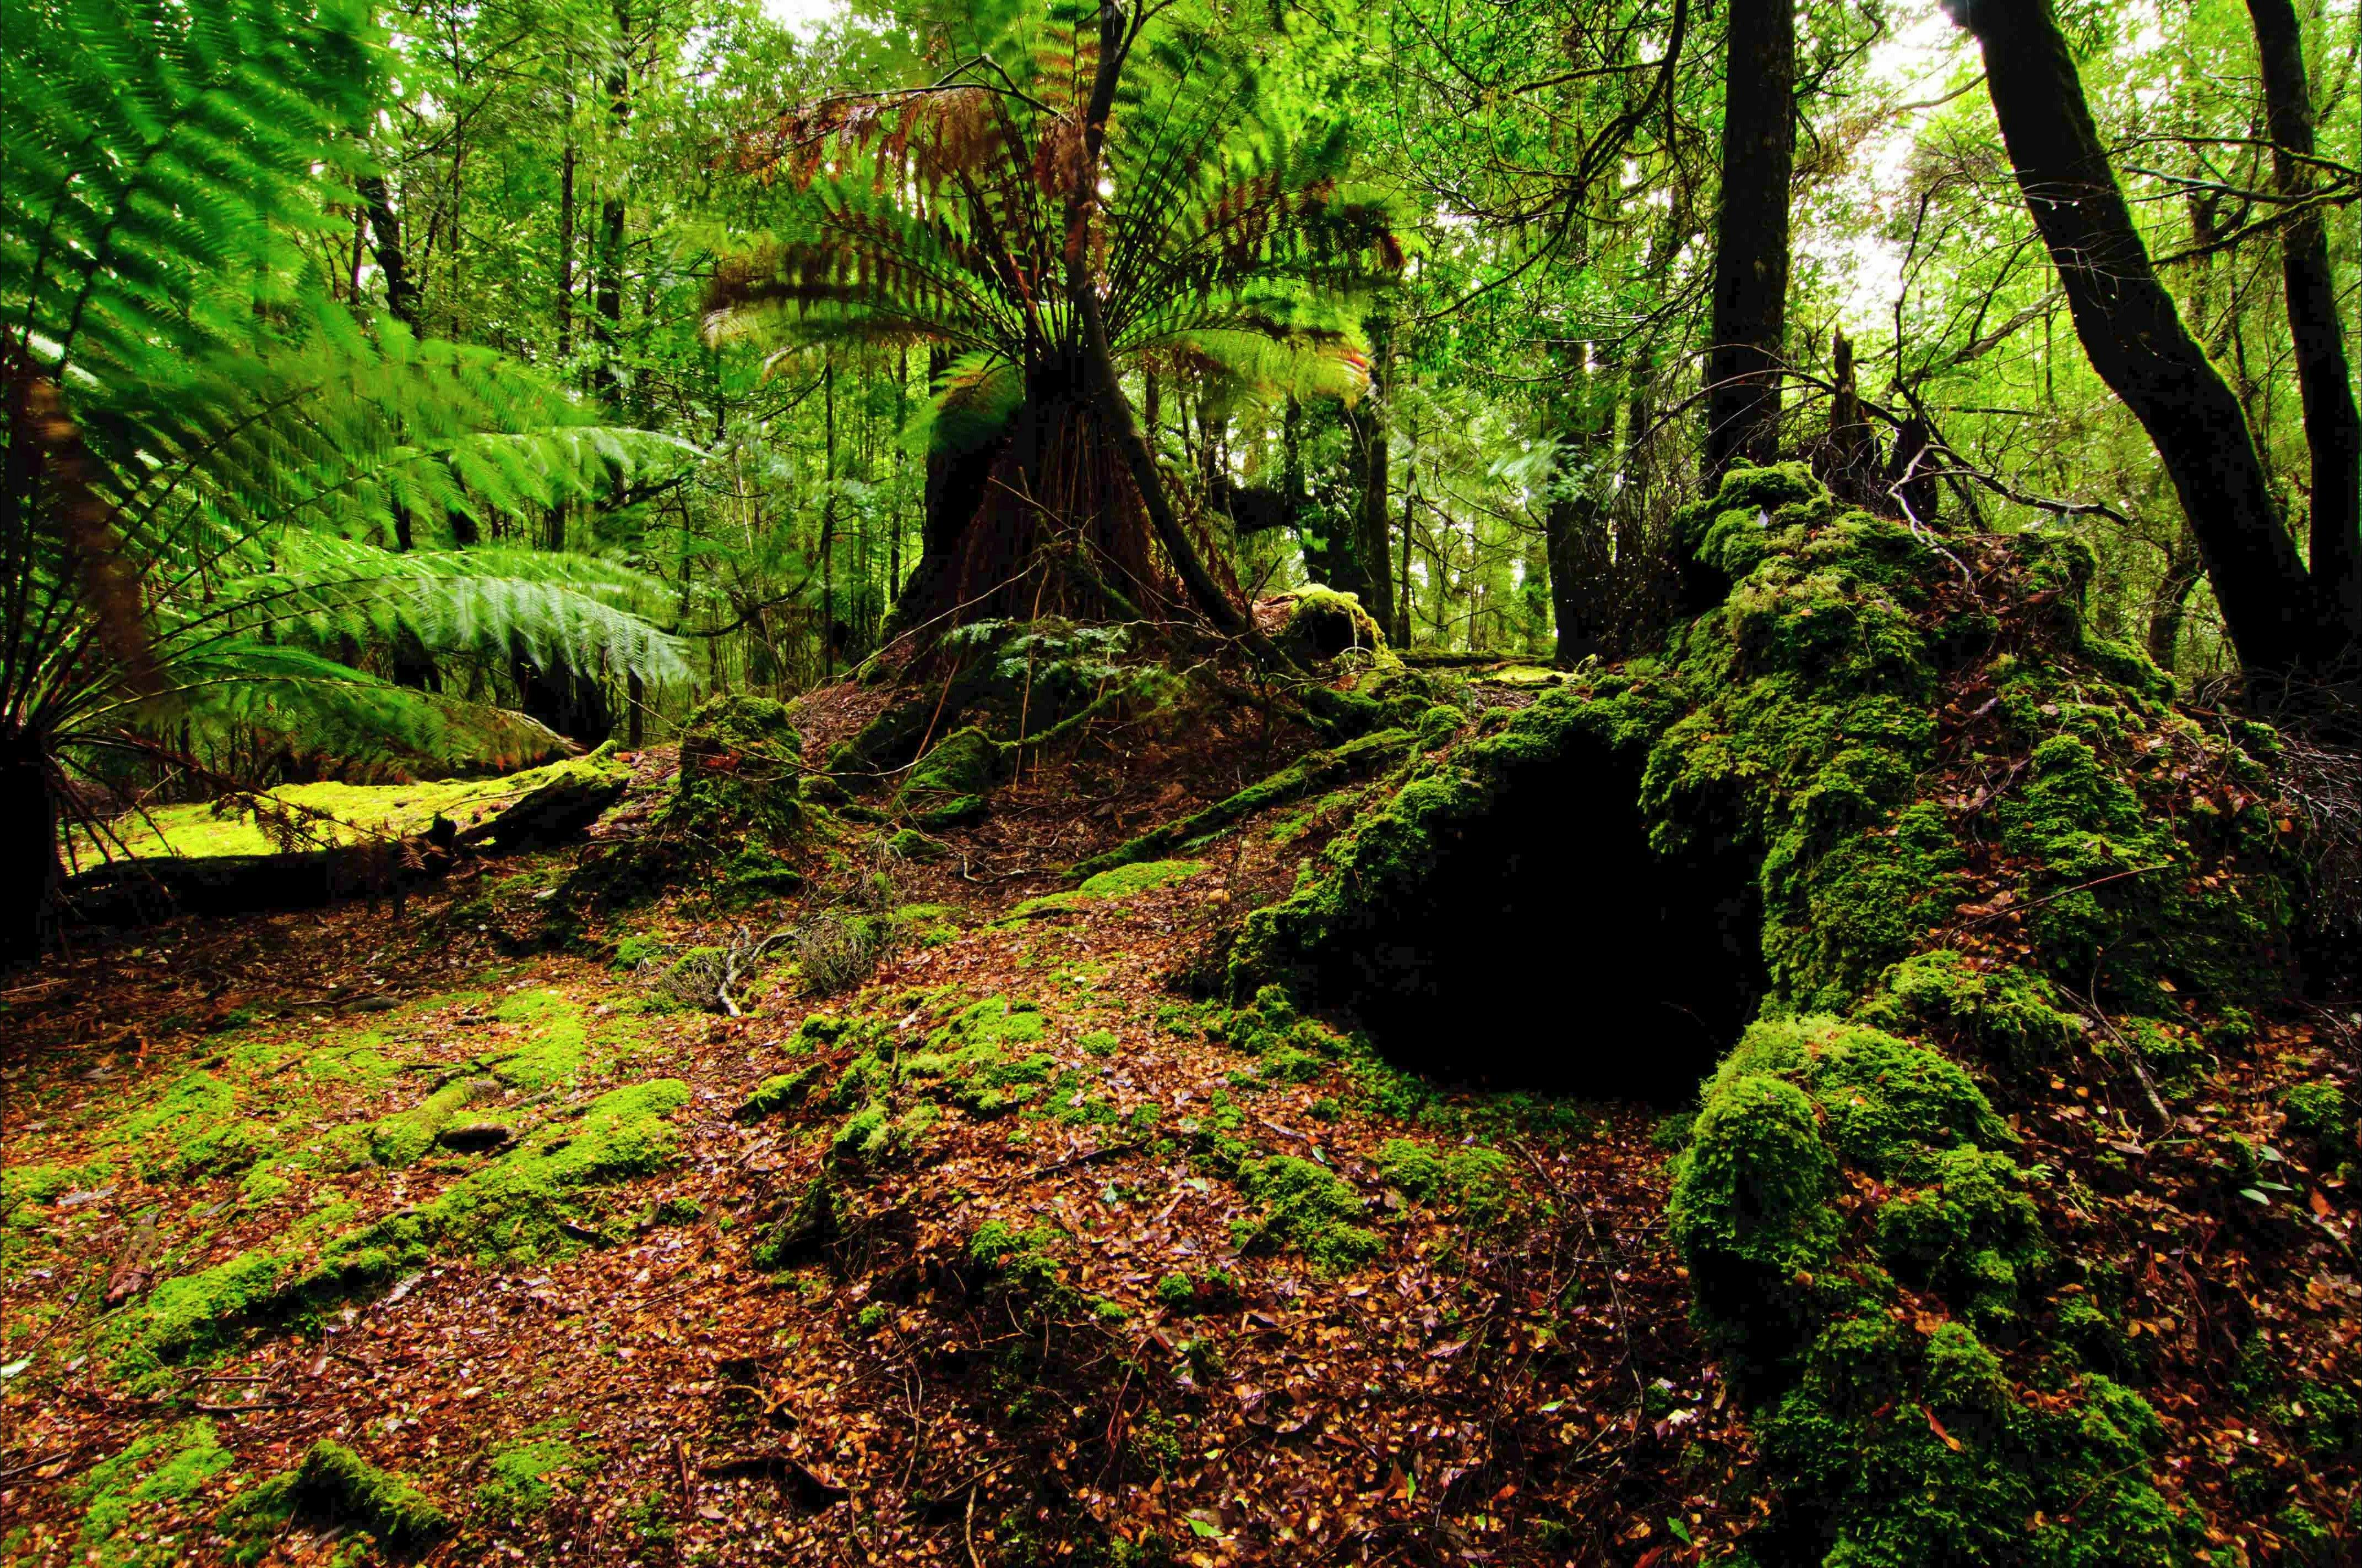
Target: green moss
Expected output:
[193,1107]
[1022,1262]
[344,813]
[335,1485]
[1309,1209]
[740,773]
[2007,1014]
[638,948]
[782,1092]
[524,1477]
[558,1040]
[1909,1444]
[1472,1182]
[1321,770]
[529,1201]
[2317,1110]
[26,1189]
[404,1138]
[1321,624]
[118,1496]
[1120,882]
[191,1315]
[807,1225]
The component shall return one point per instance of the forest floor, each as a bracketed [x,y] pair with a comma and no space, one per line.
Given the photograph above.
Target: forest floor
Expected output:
[1107,1275]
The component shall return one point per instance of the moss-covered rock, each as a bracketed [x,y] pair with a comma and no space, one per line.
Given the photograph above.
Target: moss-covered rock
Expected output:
[1978,846]
[953,782]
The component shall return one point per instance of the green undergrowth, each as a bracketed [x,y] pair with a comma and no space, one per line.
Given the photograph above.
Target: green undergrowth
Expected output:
[982,1058]
[523,1476]
[1987,848]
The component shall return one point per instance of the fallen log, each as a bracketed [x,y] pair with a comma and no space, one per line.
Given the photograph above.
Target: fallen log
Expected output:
[146,889]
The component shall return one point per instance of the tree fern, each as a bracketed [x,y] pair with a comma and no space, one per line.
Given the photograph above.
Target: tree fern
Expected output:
[206,460]
[1223,236]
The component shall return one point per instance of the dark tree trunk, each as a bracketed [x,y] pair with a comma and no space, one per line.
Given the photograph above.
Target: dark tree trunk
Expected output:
[1751,260]
[2135,337]
[385,236]
[607,301]
[1577,533]
[2332,428]
[1850,465]
[2172,606]
[1910,477]
[1372,460]
[29,872]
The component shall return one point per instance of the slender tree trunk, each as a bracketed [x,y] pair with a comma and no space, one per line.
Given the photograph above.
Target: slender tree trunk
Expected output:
[567,161]
[1411,497]
[828,522]
[608,299]
[2135,337]
[2332,427]
[385,233]
[1750,262]
[2174,588]
[1375,459]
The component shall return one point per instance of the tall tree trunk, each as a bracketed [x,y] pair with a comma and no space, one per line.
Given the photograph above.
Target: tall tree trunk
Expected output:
[608,299]
[1106,390]
[828,523]
[1575,527]
[385,236]
[2332,428]
[1750,259]
[1369,522]
[2135,337]
[566,159]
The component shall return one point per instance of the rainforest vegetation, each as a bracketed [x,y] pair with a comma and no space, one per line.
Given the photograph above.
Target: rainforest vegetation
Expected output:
[1140,782]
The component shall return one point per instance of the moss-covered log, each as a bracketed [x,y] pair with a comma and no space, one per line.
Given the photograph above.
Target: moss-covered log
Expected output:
[1981,865]
[546,806]
[1321,770]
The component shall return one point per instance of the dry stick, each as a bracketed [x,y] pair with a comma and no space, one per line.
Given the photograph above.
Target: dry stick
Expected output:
[2132,1053]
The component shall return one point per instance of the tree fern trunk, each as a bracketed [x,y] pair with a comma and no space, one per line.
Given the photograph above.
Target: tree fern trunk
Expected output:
[29,873]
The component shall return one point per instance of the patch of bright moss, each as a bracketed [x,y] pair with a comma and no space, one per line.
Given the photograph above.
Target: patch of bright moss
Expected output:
[345,812]
[1472,1181]
[1111,885]
[337,1488]
[524,1477]
[1309,1209]
[118,1495]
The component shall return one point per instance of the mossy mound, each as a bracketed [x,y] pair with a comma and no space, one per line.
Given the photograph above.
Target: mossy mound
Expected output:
[1321,625]
[741,773]
[737,813]
[1886,797]
[950,785]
